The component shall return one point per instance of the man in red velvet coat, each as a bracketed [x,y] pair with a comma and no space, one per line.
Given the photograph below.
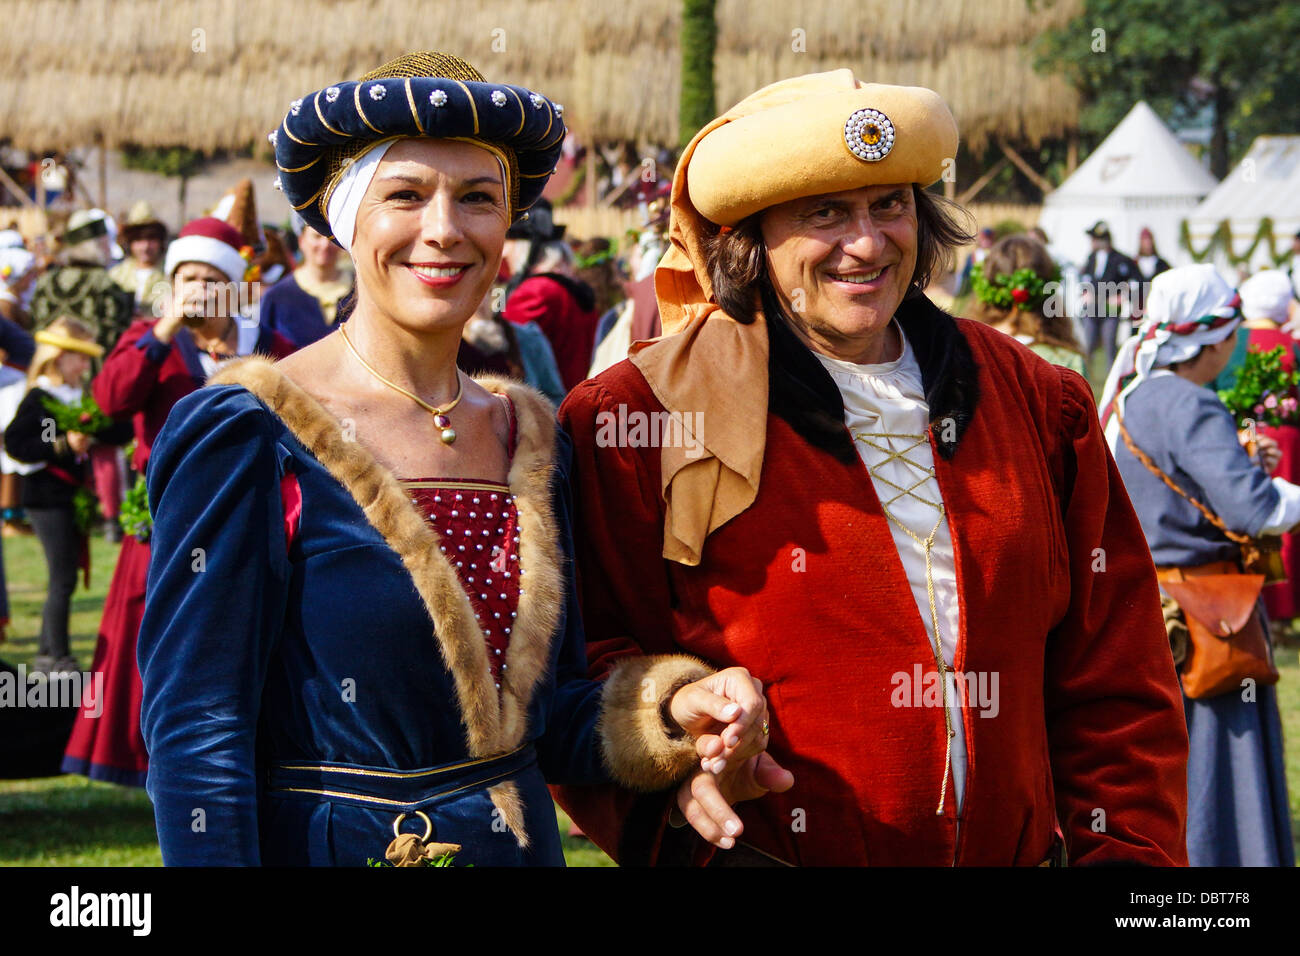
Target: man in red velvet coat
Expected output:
[906,525]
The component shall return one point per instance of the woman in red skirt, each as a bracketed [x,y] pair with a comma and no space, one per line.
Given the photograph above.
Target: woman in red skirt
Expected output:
[1265,301]
[154,365]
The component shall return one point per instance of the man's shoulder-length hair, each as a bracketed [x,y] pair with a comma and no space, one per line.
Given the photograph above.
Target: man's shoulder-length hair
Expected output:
[737,259]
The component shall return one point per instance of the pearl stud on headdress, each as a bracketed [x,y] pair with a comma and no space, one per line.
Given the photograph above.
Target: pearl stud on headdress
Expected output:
[498,98]
[869,135]
[438,98]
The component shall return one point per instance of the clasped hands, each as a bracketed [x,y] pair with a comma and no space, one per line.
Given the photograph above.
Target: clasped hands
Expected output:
[726,713]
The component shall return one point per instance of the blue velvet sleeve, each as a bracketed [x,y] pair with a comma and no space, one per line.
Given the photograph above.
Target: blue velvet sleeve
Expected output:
[1237,489]
[17,343]
[568,750]
[217,592]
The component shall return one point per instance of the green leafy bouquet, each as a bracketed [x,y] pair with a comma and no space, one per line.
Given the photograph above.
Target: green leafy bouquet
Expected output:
[1264,392]
[134,516]
[83,415]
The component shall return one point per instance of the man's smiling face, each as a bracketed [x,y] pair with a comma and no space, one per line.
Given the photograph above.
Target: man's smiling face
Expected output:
[842,262]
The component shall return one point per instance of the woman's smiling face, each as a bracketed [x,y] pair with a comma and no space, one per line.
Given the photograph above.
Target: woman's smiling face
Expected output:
[429,233]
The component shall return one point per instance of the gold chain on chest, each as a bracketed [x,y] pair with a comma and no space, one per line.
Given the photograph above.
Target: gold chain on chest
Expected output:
[872,440]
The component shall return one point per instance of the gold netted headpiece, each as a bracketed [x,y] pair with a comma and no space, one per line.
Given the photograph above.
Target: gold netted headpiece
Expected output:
[408,66]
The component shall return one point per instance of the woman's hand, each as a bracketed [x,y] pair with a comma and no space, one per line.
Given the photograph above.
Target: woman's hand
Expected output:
[1269,453]
[78,442]
[726,713]
[705,800]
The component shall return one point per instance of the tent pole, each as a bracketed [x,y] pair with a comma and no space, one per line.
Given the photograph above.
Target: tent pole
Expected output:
[1034,176]
[983,181]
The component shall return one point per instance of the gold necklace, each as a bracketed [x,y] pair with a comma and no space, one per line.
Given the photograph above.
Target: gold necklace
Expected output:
[447,433]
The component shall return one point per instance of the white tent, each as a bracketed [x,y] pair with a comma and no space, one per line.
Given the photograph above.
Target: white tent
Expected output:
[1139,176]
[1265,184]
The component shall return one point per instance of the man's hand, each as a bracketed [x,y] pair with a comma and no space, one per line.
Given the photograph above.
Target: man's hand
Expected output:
[705,800]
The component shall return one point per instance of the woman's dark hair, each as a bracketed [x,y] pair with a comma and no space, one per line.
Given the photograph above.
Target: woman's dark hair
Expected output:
[346,305]
[603,276]
[737,258]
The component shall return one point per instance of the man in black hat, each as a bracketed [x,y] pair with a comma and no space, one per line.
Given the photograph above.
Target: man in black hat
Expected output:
[1108,279]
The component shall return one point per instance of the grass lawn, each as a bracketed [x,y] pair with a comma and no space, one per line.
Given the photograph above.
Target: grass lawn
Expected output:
[72,821]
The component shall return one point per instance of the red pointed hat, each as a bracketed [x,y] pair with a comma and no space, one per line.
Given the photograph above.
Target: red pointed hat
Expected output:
[211,241]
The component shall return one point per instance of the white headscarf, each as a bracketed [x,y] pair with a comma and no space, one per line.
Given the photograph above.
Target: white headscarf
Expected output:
[14,263]
[1188,308]
[352,185]
[1266,295]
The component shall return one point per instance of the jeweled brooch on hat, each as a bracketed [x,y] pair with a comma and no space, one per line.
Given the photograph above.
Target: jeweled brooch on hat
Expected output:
[869,135]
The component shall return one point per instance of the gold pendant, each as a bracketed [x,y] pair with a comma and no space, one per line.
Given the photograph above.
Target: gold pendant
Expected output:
[448,434]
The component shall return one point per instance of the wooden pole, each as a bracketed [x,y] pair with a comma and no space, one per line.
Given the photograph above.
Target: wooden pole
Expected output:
[1034,176]
[103,173]
[1072,153]
[14,188]
[983,181]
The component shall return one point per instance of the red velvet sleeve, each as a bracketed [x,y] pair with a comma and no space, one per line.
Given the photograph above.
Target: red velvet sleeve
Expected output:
[130,372]
[530,302]
[623,586]
[1115,723]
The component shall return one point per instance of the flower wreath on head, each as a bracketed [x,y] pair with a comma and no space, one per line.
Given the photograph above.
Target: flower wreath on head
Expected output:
[1023,288]
[593,260]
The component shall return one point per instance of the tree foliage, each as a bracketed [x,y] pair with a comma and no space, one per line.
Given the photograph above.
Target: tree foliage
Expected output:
[1236,57]
[165,161]
[699,41]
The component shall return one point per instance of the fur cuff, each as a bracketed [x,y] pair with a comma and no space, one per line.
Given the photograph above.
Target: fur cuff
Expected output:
[633,739]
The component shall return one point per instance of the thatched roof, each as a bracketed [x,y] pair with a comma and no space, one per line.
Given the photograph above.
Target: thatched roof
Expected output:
[220,73]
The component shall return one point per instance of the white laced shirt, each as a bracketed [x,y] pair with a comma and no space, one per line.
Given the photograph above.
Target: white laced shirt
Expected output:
[881,403]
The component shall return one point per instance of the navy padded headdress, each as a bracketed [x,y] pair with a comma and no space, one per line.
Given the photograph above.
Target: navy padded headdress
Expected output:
[418,94]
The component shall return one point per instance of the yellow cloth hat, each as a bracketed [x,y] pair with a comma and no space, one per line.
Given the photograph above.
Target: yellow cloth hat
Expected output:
[793,138]
[815,134]
[69,344]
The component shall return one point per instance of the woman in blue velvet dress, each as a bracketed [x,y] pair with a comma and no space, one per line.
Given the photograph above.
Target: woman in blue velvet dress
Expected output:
[1237,812]
[358,642]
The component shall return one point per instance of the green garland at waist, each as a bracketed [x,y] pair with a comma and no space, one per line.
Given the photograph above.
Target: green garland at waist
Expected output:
[134,516]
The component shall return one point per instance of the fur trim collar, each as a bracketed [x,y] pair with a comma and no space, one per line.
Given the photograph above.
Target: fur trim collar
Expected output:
[493,724]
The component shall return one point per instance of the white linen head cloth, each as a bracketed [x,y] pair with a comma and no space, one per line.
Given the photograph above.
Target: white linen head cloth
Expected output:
[352,185]
[1179,295]
[1266,295]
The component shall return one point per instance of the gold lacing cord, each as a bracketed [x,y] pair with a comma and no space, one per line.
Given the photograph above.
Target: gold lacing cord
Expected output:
[927,544]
